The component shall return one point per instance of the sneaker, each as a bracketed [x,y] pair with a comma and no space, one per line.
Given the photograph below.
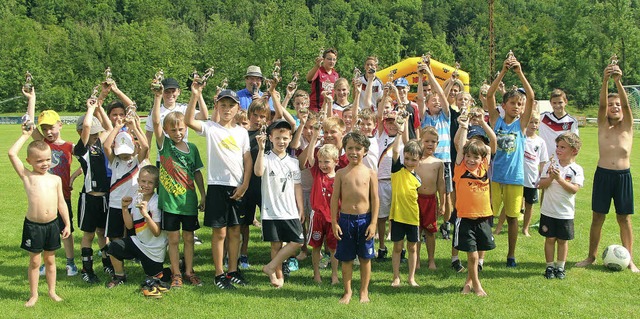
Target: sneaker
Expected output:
[222,282]
[549,273]
[160,285]
[90,277]
[382,255]
[243,262]
[116,281]
[293,264]
[403,256]
[42,271]
[457,266]
[285,270]
[196,240]
[535,225]
[108,270]
[511,262]
[560,273]
[176,281]
[72,270]
[480,267]
[193,279]
[324,261]
[236,278]
[444,230]
[150,290]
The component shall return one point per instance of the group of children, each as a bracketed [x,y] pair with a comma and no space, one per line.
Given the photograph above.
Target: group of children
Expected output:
[329,176]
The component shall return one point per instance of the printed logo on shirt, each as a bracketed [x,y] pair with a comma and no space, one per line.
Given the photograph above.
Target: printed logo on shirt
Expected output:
[230,144]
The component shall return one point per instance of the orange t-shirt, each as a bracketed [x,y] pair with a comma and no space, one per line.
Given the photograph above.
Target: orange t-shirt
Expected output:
[472,191]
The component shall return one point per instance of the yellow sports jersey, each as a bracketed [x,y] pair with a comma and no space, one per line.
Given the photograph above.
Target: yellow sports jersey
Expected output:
[472,191]
[404,195]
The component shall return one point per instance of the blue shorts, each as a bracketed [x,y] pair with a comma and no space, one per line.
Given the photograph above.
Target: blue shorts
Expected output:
[354,242]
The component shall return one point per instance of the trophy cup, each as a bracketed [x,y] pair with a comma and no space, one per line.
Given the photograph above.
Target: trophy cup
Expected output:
[614,60]
[356,127]
[131,111]
[139,198]
[484,88]
[28,82]
[223,85]
[303,111]
[293,85]
[263,127]
[455,73]
[207,74]
[26,121]
[195,77]
[392,75]
[401,116]
[276,72]
[327,86]
[510,56]
[107,76]
[464,114]
[321,53]
[156,83]
[356,73]
[95,93]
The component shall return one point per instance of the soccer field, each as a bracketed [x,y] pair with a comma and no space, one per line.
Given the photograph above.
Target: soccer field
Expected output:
[522,292]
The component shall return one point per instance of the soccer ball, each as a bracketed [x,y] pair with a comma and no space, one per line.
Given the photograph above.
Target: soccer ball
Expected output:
[616,257]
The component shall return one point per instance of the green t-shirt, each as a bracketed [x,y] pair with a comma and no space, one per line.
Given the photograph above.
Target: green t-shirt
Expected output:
[177,189]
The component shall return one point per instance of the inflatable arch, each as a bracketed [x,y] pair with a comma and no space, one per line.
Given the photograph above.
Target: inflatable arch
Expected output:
[408,69]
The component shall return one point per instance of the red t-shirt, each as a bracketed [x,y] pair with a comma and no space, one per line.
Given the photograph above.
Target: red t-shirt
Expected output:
[321,191]
[321,76]
[61,157]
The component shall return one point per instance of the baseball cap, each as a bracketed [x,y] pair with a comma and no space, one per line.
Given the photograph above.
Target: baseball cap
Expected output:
[124,144]
[230,94]
[279,124]
[476,130]
[170,83]
[48,117]
[253,70]
[401,82]
[96,127]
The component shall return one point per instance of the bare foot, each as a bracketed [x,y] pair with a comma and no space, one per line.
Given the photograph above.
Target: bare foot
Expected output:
[497,231]
[345,298]
[55,297]
[587,262]
[31,302]
[466,290]
[364,297]
[413,283]
[271,273]
[417,265]
[432,265]
[301,256]
[317,279]
[335,280]
[395,282]
[256,223]
[633,267]
[526,233]
[481,293]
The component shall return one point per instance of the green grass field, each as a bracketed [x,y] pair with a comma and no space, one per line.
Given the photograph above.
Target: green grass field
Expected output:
[513,293]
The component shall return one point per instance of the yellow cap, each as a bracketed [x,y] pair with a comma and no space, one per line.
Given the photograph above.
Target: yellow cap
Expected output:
[48,117]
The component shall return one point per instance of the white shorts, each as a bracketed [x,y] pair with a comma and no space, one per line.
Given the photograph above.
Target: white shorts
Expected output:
[384,193]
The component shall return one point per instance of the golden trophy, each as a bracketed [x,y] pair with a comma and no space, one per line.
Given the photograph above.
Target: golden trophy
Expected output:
[156,83]
[131,111]
[195,77]
[263,127]
[139,198]
[95,93]
[28,82]
[356,73]
[455,73]
[207,74]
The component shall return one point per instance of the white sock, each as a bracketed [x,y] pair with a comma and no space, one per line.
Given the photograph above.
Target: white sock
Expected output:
[560,264]
[550,264]
[454,258]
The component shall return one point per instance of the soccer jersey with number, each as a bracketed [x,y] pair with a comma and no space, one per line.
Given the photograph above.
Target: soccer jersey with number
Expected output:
[278,193]
[152,246]
[321,191]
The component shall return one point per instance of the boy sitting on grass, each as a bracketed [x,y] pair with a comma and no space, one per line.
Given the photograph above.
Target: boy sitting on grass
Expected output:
[40,231]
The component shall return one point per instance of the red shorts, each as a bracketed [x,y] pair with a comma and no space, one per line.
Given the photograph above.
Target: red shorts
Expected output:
[427,205]
[319,230]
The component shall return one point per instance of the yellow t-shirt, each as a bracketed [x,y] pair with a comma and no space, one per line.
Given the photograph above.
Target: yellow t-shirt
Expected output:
[404,195]
[472,191]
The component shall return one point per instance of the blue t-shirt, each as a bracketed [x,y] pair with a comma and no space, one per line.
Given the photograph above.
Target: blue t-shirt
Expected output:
[508,163]
[245,99]
[442,123]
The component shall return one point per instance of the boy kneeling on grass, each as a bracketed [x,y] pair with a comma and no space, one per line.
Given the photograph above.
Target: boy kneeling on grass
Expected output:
[146,241]
[40,232]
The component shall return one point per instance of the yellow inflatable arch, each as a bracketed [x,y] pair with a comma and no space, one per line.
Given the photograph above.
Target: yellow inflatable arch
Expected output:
[408,69]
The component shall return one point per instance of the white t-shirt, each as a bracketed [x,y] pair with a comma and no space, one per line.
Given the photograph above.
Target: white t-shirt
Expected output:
[385,155]
[535,152]
[278,193]
[376,93]
[225,149]
[179,107]
[551,127]
[124,180]
[152,246]
[557,202]
[373,154]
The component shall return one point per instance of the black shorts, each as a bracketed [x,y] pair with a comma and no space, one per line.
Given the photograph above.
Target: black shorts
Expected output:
[530,195]
[286,231]
[556,228]
[616,184]
[61,222]
[220,210]
[124,248]
[37,237]
[172,222]
[400,230]
[448,178]
[115,223]
[92,212]
[473,235]
[252,200]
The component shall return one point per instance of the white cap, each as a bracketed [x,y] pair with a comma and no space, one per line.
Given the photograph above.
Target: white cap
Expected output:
[124,144]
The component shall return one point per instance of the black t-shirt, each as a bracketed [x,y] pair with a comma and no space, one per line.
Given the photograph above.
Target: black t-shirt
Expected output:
[94,165]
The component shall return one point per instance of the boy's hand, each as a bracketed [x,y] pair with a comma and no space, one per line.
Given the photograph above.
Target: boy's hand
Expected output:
[337,231]
[29,94]
[318,61]
[196,88]
[239,192]
[357,83]
[327,96]
[201,206]
[27,128]
[126,201]
[92,103]
[422,68]
[371,231]
[143,209]
[616,72]
[66,231]
[553,172]
[261,139]
[515,66]
[441,210]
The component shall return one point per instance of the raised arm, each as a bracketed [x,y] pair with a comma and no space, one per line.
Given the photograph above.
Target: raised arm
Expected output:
[158,132]
[627,115]
[491,93]
[203,113]
[258,166]
[17,164]
[435,86]
[309,158]
[108,143]
[189,116]
[312,73]
[135,128]
[528,106]
[461,137]
[88,121]
[31,111]
[121,96]
[126,215]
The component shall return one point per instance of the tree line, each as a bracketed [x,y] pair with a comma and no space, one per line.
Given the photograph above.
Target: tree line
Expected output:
[67,45]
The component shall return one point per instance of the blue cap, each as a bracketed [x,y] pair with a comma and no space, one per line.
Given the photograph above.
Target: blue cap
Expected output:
[401,82]
[476,130]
